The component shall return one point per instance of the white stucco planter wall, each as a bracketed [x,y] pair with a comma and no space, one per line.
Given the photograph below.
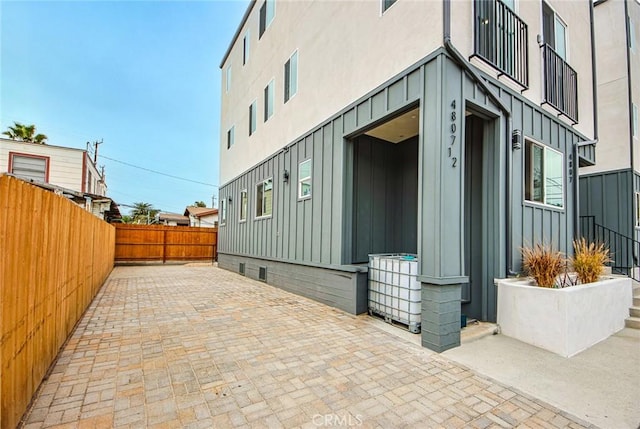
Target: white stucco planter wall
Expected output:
[564,321]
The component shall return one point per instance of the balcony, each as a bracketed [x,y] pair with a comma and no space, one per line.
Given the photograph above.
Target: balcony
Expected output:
[560,84]
[501,39]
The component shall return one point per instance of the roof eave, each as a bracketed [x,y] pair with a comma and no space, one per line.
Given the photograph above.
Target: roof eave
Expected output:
[252,3]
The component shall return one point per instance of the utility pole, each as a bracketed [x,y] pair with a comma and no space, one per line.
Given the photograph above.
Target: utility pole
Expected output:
[95,152]
[213,201]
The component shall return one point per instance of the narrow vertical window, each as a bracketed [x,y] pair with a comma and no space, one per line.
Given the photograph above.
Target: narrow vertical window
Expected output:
[554,31]
[291,77]
[223,211]
[268,100]
[304,179]
[386,4]
[632,35]
[561,38]
[244,204]
[230,137]
[271,11]
[264,198]
[245,47]
[263,19]
[252,118]
[267,13]
[228,79]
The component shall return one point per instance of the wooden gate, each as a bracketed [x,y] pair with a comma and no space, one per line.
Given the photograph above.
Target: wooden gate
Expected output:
[149,243]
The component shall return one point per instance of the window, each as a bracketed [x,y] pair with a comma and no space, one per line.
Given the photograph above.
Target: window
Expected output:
[632,35]
[264,198]
[252,118]
[267,13]
[291,77]
[30,167]
[223,211]
[554,31]
[635,121]
[304,179]
[637,201]
[245,47]
[244,202]
[544,175]
[230,137]
[268,101]
[386,4]
[228,80]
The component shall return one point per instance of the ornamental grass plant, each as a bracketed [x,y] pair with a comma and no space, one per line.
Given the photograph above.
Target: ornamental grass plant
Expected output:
[588,260]
[543,264]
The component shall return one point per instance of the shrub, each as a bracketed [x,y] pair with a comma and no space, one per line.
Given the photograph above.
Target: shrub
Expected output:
[543,264]
[589,260]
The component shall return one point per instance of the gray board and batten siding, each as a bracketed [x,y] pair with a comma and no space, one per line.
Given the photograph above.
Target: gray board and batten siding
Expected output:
[319,232]
[609,196]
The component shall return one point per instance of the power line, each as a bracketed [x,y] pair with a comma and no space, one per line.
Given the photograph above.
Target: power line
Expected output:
[157,172]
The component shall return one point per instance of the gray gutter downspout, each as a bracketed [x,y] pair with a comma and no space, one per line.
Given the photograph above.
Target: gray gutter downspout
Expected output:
[505,110]
[628,34]
[577,145]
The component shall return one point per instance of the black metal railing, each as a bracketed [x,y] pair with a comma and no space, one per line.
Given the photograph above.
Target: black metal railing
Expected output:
[560,83]
[624,250]
[501,39]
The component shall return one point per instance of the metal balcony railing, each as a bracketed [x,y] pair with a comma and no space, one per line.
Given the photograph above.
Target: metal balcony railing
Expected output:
[624,250]
[560,83]
[501,39]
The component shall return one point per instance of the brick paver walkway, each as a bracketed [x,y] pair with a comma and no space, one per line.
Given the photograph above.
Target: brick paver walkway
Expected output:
[199,347]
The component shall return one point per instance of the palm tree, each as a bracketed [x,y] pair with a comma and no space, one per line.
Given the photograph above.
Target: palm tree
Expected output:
[143,212]
[25,133]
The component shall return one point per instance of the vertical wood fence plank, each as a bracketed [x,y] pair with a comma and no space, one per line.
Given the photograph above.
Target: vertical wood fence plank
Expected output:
[54,257]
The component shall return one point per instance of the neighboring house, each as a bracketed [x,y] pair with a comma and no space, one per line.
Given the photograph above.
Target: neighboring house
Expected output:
[205,217]
[356,128]
[172,219]
[67,167]
[67,171]
[610,190]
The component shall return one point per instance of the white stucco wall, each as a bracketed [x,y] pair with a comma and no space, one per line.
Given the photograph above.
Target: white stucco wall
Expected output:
[613,151]
[346,49]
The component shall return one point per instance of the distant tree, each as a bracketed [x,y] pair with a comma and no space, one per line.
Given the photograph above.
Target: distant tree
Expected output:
[199,204]
[127,219]
[25,133]
[143,212]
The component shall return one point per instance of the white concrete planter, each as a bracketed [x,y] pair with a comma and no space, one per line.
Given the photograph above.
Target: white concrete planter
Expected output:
[564,321]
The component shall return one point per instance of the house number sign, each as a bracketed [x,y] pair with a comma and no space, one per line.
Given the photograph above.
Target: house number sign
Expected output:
[454,160]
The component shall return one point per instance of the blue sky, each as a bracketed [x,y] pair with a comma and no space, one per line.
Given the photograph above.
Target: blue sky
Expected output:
[142,76]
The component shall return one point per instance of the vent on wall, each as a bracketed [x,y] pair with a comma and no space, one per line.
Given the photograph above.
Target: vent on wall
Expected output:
[262,274]
[241,268]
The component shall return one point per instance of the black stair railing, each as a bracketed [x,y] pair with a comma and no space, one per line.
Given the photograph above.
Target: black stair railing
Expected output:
[501,39]
[560,84]
[624,250]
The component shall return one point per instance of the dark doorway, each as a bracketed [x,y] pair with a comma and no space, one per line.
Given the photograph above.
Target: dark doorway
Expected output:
[474,217]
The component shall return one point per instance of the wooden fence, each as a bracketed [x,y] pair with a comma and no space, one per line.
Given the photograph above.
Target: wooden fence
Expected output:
[54,257]
[148,243]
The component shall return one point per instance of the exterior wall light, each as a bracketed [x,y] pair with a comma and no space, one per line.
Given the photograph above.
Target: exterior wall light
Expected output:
[516,140]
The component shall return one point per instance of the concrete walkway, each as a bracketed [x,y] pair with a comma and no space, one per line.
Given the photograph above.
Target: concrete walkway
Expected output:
[199,347]
[600,385]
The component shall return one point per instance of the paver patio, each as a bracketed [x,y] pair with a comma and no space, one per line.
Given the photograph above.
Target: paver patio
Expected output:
[200,347]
